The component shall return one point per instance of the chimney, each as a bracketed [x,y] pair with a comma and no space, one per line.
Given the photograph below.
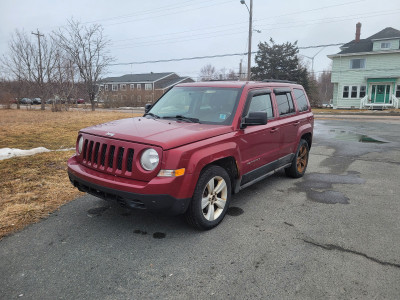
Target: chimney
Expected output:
[358,32]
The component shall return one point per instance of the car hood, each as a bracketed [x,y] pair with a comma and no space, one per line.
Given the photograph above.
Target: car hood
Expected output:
[164,133]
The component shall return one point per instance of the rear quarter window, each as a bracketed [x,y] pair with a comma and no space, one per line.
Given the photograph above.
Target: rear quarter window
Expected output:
[301,99]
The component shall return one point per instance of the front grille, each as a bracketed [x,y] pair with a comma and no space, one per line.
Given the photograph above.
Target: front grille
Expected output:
[107,157]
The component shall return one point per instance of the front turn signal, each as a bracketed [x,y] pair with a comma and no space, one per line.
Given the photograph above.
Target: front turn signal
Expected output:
[171,173]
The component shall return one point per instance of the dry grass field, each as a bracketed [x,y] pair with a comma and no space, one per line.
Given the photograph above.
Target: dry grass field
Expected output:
[31,187]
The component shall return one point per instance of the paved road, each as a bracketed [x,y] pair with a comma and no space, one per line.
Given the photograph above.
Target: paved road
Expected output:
[333,234]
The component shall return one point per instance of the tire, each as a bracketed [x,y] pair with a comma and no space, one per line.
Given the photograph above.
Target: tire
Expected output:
[300,161]
[211,198]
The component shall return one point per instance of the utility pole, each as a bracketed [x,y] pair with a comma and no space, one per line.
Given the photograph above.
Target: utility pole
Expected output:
[240,70]
[40,77]
[250,33]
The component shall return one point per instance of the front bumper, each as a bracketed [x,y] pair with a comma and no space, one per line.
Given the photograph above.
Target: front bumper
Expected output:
[100,186]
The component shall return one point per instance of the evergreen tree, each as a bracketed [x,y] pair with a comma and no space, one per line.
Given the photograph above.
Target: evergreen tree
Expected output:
[280,61]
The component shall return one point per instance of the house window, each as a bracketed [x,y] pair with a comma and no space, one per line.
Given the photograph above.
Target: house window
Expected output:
[346,91]
[106,87]
[386,45]
[132,87]
[139,98]
[148,86]
[354,91]
[123,87]
[398,91]
[115,87]
[363,90]
[139,86]
[357,63]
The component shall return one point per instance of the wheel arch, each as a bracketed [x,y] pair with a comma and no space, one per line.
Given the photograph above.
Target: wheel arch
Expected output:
[230,165]
[308,138]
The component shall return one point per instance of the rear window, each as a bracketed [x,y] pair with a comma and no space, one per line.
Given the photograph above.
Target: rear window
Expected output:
[301,99]
[285,103]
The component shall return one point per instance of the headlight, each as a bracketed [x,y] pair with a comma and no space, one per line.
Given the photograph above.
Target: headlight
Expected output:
[149,159]
[80,145]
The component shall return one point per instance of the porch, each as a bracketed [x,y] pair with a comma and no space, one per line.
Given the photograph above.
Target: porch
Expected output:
[381,94]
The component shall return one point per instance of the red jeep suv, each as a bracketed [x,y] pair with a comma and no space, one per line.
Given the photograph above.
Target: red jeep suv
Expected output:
[196,146]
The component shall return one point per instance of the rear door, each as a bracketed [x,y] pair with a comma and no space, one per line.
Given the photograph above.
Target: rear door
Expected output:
[288,121]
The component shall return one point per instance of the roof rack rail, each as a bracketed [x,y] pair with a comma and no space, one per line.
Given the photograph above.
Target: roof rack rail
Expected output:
[278,80]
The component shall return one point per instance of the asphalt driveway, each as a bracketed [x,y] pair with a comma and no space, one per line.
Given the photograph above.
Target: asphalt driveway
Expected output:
[333,234]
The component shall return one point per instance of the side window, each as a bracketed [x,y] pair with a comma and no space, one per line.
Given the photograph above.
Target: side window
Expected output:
[354,91]
[346,91]
[301,99]
[398,91]
[285,103]
[363,90]
[262,103]
[358,63]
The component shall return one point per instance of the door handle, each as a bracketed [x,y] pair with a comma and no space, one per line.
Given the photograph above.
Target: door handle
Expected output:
[274,130]
[296,123]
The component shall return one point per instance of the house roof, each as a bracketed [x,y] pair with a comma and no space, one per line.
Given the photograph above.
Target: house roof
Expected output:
[365,45]
[386,33]
[166,84]
[146,77]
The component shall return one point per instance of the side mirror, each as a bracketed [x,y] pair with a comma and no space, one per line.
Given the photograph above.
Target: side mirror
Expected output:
[147,107]
[255,118]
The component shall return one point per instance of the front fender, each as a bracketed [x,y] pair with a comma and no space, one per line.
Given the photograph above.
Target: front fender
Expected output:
[195,157]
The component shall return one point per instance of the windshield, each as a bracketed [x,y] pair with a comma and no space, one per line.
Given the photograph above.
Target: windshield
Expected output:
[207,105]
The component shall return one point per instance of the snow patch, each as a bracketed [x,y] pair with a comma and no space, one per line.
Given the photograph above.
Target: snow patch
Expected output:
[6,153]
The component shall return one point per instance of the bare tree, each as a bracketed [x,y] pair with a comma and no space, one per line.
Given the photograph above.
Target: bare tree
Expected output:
[325,86]
[86,47]
[30,64]
[225,74]
[208,73]
[64,83]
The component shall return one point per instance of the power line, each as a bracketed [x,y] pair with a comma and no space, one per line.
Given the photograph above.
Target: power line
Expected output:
[145,12]
[168,14]
[238,23]
[207,35]
[208,56]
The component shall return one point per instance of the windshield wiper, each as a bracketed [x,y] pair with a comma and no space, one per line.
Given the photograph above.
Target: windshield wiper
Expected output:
[183,118]
[152,115]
